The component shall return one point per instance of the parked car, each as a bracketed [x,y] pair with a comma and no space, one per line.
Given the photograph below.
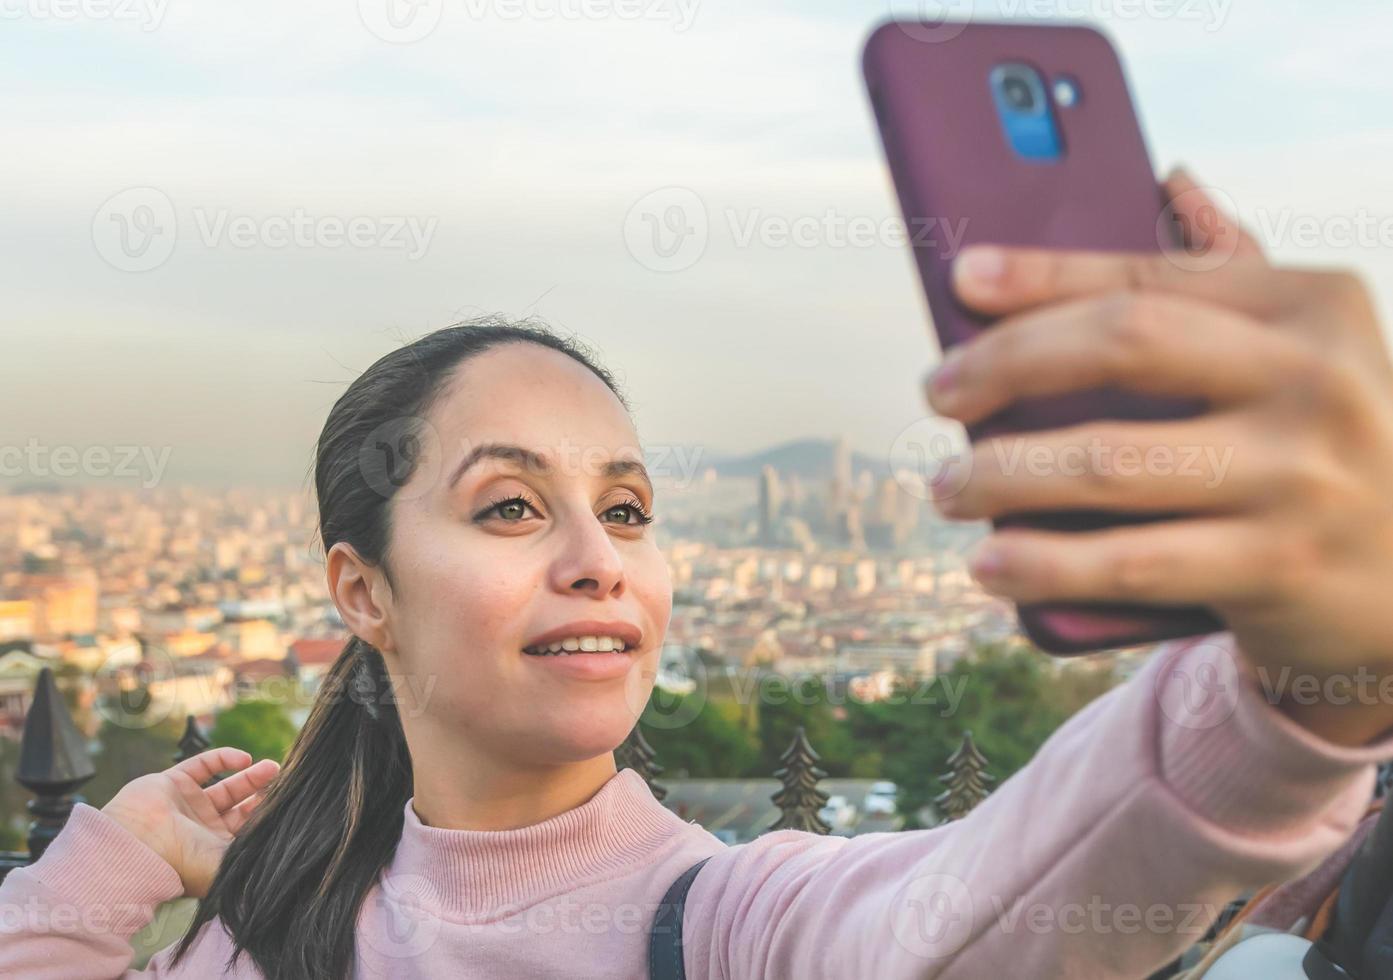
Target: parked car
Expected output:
[838,812]
[880,798]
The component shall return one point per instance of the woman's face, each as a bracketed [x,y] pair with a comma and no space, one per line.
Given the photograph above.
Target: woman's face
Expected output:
[480,573]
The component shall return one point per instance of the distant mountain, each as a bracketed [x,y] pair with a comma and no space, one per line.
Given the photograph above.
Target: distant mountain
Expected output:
[810,459]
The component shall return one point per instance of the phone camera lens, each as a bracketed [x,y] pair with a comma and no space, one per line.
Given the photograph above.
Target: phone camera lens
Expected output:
[1018,93]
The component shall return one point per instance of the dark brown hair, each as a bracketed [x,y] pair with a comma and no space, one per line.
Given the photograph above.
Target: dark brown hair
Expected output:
[291,884]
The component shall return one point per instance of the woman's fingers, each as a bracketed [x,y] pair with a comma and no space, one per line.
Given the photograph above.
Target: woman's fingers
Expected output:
[237,817]
[1211,561]
[998,280]
[234,789]
[207,764]
[1151,342]
[1179,466]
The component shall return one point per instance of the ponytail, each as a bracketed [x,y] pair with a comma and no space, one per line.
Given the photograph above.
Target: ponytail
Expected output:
[292,882]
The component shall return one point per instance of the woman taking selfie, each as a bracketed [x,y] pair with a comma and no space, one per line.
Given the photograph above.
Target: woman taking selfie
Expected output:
[452,808]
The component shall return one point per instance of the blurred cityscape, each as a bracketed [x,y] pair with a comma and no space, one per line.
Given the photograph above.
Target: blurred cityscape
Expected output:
[803,559]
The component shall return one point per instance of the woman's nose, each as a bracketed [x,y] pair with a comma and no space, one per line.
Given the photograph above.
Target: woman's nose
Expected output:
[590,564]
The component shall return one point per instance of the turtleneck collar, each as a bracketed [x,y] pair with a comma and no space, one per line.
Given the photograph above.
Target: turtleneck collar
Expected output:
[472,875]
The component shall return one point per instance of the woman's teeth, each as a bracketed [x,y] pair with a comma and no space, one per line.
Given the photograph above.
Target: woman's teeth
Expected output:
[581,644]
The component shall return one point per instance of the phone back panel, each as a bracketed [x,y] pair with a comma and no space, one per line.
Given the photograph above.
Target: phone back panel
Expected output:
[960,182]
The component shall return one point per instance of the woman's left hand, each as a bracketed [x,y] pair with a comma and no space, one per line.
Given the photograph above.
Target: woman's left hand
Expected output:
[1284,484]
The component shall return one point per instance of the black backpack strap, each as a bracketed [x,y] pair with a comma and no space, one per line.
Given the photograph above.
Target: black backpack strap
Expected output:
[665,941]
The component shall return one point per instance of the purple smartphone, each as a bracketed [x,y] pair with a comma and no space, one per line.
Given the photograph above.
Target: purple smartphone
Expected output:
[1024,134]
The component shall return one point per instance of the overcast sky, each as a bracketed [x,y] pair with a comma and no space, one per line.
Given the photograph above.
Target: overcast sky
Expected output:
[492,151]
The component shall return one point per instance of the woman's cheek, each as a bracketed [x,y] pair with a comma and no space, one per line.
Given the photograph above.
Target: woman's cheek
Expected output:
[654,585]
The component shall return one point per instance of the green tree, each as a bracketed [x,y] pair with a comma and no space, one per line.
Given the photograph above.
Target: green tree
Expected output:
[260,727]
[785,704]
[14,813]
[128,751]
[713,744]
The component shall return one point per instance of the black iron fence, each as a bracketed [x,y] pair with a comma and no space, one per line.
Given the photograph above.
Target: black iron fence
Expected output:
[54,763]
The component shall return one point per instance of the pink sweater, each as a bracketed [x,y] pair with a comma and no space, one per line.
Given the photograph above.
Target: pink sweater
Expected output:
[1105,857]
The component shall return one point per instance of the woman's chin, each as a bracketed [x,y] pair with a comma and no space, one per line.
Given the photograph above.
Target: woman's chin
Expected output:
[585,738]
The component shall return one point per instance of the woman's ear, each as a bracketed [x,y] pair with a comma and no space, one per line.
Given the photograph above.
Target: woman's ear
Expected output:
[362,596]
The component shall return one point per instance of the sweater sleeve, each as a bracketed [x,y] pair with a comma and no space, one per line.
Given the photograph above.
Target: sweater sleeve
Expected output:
[71,914]
[1105,857]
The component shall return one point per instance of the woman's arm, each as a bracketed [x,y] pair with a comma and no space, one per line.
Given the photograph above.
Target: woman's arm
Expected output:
[1108,855]
[73,912]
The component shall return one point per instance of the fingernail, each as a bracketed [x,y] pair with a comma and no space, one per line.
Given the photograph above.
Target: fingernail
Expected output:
[946,375]
[1178,172]
[947,483]
[987,562]
[982,263]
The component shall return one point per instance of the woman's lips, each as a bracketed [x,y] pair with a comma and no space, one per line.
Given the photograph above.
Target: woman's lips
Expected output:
[596,665]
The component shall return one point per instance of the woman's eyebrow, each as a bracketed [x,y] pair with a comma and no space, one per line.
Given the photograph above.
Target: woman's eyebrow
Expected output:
[531,460]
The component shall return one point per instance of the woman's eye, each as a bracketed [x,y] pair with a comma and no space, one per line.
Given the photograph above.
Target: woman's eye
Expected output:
[510,511]
[630,509]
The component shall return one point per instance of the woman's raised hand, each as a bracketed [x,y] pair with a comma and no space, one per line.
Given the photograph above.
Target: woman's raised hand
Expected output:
[1283,487]
[184,823]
